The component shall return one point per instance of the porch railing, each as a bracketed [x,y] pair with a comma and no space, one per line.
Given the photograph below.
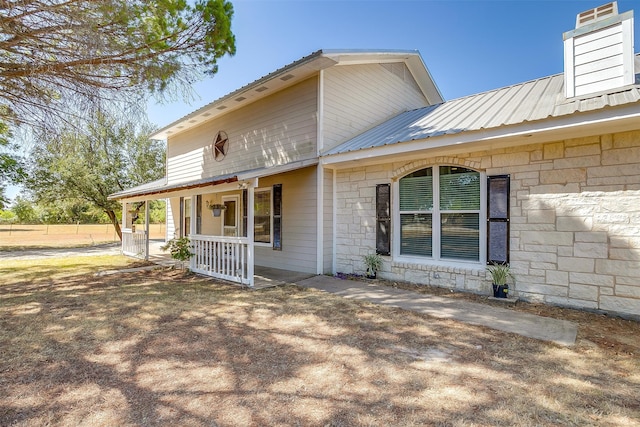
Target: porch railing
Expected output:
[222,257]
[134,243]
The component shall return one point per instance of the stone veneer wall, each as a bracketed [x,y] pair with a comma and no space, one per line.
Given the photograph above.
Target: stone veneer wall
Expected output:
[575,222]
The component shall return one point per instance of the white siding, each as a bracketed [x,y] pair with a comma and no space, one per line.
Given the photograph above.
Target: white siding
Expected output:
[173,217]
[273,131]
[169,221]
[358,97]
[299,245]
[327,225]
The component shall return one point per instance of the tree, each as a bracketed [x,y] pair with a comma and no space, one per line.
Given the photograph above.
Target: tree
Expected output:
[23,209]
[92,161]
[10,164]
[59,54]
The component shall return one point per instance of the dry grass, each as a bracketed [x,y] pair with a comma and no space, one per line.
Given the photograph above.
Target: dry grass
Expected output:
[18,236]
[163,348]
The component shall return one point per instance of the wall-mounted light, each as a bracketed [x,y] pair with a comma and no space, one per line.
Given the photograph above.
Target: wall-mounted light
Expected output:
[243,185]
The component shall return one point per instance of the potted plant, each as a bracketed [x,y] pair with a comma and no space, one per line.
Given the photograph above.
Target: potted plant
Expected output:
[373,262]
[500,273]
[216,208]
[180,249]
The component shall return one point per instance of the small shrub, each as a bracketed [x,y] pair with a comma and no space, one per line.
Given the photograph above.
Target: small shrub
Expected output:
[180,249]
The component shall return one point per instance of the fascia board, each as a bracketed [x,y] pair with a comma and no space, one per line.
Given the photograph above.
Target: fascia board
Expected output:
[580,125]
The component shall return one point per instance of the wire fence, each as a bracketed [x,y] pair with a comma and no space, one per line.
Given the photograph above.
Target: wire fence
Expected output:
[65,234]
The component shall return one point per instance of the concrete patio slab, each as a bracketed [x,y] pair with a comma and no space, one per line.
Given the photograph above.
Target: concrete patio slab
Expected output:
[561,332]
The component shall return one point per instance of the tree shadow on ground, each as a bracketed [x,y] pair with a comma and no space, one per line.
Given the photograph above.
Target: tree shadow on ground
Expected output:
[162,348]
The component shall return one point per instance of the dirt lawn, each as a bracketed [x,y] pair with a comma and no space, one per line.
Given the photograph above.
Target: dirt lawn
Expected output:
[162,348]
[17,236]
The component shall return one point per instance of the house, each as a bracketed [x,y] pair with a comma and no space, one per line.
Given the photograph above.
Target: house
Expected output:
[343,153]
[253,157]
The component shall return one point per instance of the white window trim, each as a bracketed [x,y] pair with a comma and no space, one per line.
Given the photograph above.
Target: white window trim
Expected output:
[435,259]
[270,243]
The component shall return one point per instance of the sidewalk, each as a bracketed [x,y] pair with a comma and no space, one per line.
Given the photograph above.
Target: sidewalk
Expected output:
[561,332]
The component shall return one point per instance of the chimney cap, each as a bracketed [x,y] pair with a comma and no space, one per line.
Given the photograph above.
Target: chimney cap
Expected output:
[596,14]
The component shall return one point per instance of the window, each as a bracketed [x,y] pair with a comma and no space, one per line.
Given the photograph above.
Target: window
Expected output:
[199,214]
[262,216]
[267,222]
[230,216]
[383,219]
[187,216]
[439,210]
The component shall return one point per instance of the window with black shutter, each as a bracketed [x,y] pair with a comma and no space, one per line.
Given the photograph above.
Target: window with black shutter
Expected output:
[383,219]
[498,219]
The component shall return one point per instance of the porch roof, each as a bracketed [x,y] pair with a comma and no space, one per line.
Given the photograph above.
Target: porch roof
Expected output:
[161,186]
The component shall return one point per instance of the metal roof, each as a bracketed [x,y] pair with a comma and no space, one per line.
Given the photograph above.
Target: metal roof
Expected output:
[526,102]
[160,186]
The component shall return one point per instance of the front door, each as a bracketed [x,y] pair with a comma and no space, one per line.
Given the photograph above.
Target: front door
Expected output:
[230,219]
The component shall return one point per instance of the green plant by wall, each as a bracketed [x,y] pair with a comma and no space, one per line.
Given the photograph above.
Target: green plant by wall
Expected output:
[500,273]
[373,262]
[180,249]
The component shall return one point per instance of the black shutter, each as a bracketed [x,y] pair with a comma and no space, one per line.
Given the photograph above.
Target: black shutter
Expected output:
[199,214]
[383,219]
[277,217]
[498,219]
[245,209]
[181,231]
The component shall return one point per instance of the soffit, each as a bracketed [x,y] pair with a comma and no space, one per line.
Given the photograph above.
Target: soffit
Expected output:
[296,72]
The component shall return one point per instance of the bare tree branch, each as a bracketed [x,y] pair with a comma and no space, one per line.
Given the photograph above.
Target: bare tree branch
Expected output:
[56,55]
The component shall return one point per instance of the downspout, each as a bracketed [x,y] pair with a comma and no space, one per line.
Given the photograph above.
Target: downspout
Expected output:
[320,178]
[250,230]
[334,218]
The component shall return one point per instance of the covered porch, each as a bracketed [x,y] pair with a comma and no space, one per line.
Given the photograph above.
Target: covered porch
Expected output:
[263,277]
[233,222]
[217,235]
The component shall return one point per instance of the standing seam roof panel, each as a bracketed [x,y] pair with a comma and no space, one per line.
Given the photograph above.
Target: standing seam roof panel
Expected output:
[535,100]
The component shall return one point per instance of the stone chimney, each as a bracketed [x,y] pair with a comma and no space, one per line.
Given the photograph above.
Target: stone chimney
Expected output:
[598,54]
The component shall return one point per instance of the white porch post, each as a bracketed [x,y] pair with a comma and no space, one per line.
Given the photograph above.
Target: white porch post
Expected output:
[250,231]
[123,226]
[192,227]
[147,228]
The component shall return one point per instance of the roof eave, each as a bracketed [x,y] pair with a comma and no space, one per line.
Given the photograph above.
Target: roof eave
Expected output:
[609,120]
[300,70]
[315,61]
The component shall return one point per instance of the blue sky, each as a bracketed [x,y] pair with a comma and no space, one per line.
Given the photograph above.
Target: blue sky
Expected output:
[468,46]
